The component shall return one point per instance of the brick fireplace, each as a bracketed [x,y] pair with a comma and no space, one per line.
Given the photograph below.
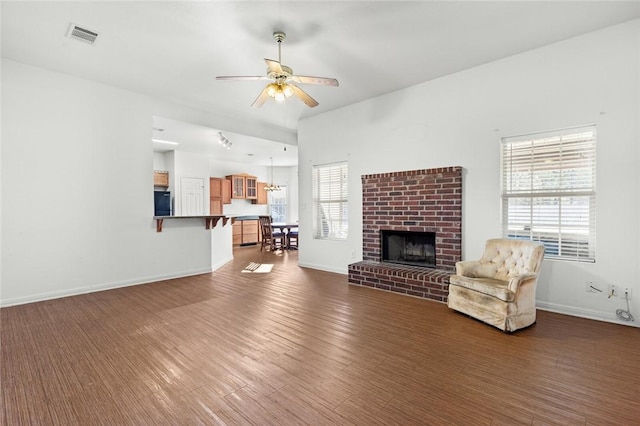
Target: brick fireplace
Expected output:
[423,201]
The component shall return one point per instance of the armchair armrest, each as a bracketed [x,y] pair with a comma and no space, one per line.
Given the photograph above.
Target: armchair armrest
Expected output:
[521,279]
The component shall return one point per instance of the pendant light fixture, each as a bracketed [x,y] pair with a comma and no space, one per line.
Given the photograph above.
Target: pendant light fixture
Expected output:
[271,187]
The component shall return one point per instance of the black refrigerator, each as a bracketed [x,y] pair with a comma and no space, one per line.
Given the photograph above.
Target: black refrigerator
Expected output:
[162,203]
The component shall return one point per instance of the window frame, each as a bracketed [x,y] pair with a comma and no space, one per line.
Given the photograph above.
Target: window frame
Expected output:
[273,194]
[551,197]
[331,203]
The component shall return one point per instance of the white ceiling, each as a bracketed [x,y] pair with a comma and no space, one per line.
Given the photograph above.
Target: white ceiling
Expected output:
[174,50]
[177,135]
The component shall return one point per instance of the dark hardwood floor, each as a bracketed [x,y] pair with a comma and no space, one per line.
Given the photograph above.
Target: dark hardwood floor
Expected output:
[300,346]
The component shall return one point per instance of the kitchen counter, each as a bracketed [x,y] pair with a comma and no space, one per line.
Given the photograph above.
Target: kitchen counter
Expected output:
[246,230]
[209,221]
[251,217]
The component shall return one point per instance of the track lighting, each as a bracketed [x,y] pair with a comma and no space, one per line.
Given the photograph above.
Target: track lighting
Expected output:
[222,140]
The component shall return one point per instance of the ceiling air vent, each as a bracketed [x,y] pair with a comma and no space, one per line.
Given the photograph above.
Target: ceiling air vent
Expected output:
[82,34]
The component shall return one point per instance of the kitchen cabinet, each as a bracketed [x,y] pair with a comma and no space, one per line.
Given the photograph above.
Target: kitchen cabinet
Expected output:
[219,194]
[226,191]
[246,232]
[160,178]
[261,197]
[237,186]
[250,232]
[252,187]
[215,207]
[215,195]
[243,186]
[215,187]
[237,233]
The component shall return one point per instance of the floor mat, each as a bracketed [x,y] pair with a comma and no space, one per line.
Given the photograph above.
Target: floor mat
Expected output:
[258,268]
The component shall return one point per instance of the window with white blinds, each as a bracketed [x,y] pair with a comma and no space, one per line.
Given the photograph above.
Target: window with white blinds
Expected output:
[549,191]
[330,199]
[278,205]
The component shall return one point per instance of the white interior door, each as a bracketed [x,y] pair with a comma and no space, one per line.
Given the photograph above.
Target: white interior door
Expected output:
[192,196]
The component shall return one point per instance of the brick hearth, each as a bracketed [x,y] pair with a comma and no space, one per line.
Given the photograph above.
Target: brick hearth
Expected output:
[418,200]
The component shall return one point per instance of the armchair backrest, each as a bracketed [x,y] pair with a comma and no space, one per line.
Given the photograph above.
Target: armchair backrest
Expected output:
[505,257]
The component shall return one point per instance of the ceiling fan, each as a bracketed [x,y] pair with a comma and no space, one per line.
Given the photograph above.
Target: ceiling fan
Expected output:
[283,79]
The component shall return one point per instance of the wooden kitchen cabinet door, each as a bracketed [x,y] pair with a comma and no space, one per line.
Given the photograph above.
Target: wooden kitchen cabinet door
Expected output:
[237,233]
[216,186]
[249,232]
[160,178]
[261,196]
[251,187]
[238,183]
[226,191]
[215,206]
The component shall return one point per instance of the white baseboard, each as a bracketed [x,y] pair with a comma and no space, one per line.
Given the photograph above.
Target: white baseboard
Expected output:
[99,287]
[545,306]
[585,313]
[221,263]
[45,296]
[322,268]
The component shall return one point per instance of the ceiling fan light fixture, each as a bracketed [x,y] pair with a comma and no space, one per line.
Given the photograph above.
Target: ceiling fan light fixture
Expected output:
[272,89]
[279,91]
[281,75]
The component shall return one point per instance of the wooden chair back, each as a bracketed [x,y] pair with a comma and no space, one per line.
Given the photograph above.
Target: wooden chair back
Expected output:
[268,238]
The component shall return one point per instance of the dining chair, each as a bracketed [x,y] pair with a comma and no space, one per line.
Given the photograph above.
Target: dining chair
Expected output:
[292,237]
[269,237]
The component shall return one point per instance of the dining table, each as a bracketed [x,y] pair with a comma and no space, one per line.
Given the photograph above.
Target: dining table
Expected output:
[285,228]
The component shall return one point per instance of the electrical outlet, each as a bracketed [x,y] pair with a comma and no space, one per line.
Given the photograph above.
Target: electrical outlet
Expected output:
[612,290]
[353,254]
[626,291]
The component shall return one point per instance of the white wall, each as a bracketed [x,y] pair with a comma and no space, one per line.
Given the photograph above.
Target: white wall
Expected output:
[222,245]
[459,120]
[159,161]
[291,181]
[77,184]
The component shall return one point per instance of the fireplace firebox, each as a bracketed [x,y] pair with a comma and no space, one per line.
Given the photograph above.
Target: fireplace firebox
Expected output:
[409,248]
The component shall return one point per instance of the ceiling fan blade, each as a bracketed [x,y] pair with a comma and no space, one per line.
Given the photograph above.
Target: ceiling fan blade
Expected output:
[304,96]
[242,77]
[274,66]
[261,99]
[306,79]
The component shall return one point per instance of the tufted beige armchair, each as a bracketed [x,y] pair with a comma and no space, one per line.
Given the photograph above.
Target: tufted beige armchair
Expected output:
[500,288]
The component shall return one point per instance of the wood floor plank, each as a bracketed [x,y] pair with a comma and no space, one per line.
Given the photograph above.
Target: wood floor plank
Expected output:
[301,346]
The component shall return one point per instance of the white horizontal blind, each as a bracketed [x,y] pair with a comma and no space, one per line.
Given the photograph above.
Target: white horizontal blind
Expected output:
[330,199]
[549,191]
[278,205]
